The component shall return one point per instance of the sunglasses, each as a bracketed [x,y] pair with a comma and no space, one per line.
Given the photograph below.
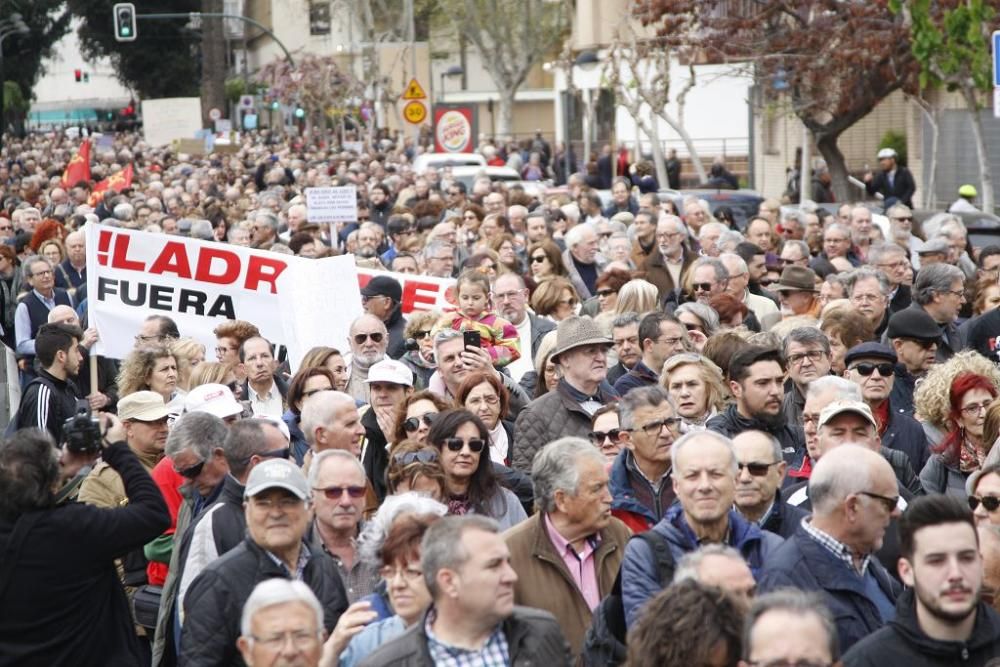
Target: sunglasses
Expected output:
[455,444]
[359,339]
[702,287]
[991,503]
[598,437]
[538,259]
[756,469]
[413,423]
[192,471]
[423,456]
[421,334]
[335,492]
[605,293]
[866,369]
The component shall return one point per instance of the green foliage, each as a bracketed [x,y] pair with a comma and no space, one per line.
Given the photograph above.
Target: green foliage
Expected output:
[23,54]
[13,99]
[950,39]
[896,141]
[235,88]
[162,62]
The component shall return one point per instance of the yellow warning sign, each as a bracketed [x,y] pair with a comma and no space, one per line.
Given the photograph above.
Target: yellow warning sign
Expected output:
[415,112]
[414,91]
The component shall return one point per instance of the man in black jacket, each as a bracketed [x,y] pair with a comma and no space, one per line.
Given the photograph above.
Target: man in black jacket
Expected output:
[277,513]
[467,569]
[382,297]
[895,183]
[940,619]
[62,599]
[50,399]
[761,472]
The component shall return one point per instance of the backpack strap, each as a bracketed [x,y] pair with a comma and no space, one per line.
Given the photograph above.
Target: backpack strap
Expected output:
[665,565]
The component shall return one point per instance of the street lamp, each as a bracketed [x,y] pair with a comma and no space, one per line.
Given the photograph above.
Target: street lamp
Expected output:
[587,61]
[12,25]
[453,71]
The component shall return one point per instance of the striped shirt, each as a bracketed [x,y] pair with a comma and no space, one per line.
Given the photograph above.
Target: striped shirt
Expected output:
[840,550]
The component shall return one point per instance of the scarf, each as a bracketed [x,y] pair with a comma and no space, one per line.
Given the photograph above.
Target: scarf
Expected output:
[499,446]
[459,505]
[970,456]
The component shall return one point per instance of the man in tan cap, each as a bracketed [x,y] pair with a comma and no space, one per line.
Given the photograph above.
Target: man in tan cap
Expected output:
[582,356]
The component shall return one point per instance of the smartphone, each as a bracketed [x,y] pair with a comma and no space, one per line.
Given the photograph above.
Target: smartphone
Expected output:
[472,339]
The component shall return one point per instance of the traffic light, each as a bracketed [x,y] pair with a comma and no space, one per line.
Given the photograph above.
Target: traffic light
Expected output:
[125,26]
[275,105]
[78,75]
[300,112]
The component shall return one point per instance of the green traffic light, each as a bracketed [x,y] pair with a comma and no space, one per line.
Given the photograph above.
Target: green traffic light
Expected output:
[274,105]
[126,32]
[300,113]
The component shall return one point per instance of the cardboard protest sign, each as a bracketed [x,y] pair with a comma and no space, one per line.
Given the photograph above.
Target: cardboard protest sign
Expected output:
[170,118]
[338,204]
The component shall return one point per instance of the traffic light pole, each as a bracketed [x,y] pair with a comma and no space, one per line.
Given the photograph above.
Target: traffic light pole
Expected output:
[214,15]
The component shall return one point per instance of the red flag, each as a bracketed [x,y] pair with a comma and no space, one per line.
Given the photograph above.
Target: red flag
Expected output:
[117,182]
[78,168]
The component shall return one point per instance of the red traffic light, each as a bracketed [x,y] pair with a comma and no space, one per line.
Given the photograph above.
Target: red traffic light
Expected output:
[78,75]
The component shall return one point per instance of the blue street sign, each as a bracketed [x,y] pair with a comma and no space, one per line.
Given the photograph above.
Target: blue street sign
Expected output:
[996,58]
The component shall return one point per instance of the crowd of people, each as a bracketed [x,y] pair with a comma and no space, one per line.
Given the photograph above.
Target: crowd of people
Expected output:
[640,435]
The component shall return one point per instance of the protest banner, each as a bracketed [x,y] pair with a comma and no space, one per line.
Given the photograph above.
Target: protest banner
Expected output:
[419,292]
[294,301]
[332,204]
[170,118]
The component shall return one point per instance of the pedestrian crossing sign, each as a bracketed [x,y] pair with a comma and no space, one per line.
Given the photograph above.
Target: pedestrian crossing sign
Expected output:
[414,91]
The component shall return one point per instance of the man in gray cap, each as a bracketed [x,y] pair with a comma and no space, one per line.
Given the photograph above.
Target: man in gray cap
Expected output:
[277,513]
[582,356]
[914,337]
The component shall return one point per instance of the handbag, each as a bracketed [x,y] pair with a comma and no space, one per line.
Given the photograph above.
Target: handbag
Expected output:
[146,605]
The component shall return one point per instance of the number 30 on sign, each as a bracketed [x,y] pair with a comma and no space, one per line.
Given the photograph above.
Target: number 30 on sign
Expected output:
[415,112]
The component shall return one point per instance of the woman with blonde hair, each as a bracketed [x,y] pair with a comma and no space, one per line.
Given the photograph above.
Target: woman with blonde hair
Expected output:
[213,372]
[555,298]
[697,388]
[637,296]
[192,351]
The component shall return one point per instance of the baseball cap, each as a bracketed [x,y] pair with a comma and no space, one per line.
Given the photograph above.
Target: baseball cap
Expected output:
[144,406]
[934,246]
[843,407]
[383,286]
[392,371]
[886,152]
[215,399]
[277,474]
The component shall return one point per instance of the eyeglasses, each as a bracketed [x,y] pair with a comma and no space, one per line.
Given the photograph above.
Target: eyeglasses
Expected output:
[145,339]
[702,287]
[811,355]
[893,265]
[888,503]
[667,236]
[41,273]
[598,437]
[955,292]
[455,444]
[604,293]
[991,503]
[654,427]
[507,296]
[567,302]
[418,335]
[335,492]
[302,639]
[408,574]
[191,472]
[866,369]
[274,454]
[413,423]
[538,259]
[360,338]
[976,408]
[307,394]
[423,456]
[756,469]
[605,235]
[924,344]
[366,299]
[671,341]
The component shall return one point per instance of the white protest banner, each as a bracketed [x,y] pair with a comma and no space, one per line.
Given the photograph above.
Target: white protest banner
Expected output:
[170,118]
[332,204]
[419,292]
[294,301]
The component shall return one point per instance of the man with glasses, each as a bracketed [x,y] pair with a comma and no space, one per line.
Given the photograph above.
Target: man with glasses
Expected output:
[222,526]
[854,496]
[383,297]
[667,266]
[625,338]
[761,471]
[738,285]
[806,351]
[868,290]
[277,515]
[893,261]
[790,627]
[33,310]
[275,612]
[836,244]
[264,229]
[939,290]
[340,499]
[709,278]
[704,478]
[661,336]
[914,337]
[389,382]
[640,483]
[510,295]
[6,229]
[872,367]
[439,259]
[368,340]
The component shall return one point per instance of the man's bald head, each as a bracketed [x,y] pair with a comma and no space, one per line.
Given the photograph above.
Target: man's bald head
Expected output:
[63,315]
[843,471]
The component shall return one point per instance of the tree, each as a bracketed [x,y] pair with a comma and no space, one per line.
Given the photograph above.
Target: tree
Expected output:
[638,70]
[23,55]
[951,41]
[834,60]
[512,37]
[213,61]
[162,62]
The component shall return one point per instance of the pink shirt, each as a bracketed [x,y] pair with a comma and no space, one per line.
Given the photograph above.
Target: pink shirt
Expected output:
[580,565]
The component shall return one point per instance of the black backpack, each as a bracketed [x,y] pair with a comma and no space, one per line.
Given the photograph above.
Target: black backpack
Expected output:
[604,644]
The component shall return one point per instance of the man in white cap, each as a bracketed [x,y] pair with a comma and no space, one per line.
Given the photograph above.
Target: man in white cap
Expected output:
[277,515]
[389,381]
[582,355]
[895,183]
[215,399]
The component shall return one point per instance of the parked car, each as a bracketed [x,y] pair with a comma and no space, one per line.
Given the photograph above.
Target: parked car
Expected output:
[467,175]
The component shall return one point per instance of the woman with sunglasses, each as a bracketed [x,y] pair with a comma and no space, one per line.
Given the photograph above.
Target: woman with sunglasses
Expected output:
[304,384]
[609,284]
[963,450]
[415,415]
[984,495]
[555,298]
[485,396]
[415,466]
[545,261]
[472,218]
[605,431]
[419,357]
[461,438]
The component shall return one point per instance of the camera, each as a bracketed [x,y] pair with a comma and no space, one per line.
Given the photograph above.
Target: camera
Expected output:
[82,431]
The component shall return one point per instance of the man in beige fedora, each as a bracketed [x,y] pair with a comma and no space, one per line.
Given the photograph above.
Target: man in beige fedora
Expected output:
[797,293]
[582,356]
